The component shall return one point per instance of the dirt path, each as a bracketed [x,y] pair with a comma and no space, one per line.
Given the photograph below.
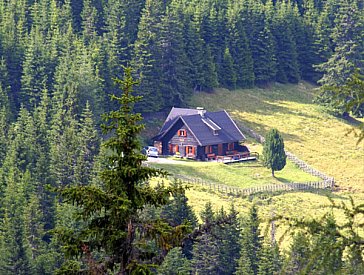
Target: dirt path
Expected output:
[163,160]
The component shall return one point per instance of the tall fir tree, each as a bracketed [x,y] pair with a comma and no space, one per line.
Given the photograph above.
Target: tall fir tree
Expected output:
[14,252]
[111,210]
[228,75]
[251,244]
[175,263]
[146,57]
[240,52]
[285,46]
[176,87]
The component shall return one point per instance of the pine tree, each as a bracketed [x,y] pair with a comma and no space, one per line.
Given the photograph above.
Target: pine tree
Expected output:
[262,45]
[327,249]
[175,263]
[251,244]
[210,73]
[178,211]
[87,147]
[176,87]
[347,55]
[111,210]
[269,259]
[229,241]
[228,75]
[205,258]
[146,57]
[89,17]
[274,156]
[3,134]
[240,52]
[195,53]
[299,254]
[347,38]
[35,73]
[4,122]
[285,46]
[63,146]
[14,255]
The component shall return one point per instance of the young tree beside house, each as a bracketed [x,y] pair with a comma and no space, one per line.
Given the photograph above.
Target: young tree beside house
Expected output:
[274,156]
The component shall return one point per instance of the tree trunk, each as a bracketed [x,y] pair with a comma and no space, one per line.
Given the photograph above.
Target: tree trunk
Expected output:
[272,173]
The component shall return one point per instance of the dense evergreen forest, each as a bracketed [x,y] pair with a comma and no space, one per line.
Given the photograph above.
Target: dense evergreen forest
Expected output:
[58,63]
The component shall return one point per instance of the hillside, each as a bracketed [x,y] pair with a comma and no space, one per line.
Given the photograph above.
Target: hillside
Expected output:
[316,137]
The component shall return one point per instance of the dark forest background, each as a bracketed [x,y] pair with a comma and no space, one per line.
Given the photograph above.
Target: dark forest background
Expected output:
[58,62]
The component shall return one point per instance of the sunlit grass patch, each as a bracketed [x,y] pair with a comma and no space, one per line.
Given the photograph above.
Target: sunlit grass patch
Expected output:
[313,135]
[243,175]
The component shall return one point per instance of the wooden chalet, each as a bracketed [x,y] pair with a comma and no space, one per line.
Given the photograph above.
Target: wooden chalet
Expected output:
[198,134]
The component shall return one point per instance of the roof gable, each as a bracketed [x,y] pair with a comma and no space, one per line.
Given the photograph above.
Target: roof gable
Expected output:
[209,128]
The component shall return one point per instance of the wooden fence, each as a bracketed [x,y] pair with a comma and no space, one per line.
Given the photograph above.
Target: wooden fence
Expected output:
[326,183]
[268,188]
[300,163]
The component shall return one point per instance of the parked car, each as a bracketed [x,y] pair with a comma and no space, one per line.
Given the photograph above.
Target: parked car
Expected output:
[150,151]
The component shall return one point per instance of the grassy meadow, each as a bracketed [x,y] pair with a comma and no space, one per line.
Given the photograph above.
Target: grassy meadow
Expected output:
[243,175]
[321,140]
[316,137]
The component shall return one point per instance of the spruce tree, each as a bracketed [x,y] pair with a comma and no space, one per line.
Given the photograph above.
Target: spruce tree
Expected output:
[240,52]
[147,57]
[262,45]
[176,87]
[274,156]
[205,258]
[285,46]
[195,53]
[111,210]
[14,252]
[228,75]
[228,236]
[251,244]
[87,149]
[298,254]
[175,263]
[347,38]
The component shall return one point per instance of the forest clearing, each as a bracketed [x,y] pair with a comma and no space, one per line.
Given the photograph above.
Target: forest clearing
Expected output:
[321,140]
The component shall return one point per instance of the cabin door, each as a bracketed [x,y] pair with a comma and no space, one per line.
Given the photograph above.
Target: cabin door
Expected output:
[219,149]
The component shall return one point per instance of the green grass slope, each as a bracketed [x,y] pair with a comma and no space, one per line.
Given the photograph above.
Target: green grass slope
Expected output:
[242,175]
[311,134]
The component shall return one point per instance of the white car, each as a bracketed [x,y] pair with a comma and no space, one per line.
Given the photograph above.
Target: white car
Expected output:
[151,151]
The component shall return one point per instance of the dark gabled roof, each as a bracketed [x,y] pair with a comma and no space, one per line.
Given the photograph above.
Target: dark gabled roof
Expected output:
[203,127]
[174,113]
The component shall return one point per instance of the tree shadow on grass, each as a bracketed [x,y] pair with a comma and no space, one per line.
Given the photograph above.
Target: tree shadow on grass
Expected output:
[283,180]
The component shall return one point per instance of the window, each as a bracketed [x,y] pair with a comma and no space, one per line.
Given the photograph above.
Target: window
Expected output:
[190,150]
[208,149]
[182,133]
[230,146]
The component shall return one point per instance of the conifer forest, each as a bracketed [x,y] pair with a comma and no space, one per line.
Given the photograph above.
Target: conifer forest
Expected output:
[75,75]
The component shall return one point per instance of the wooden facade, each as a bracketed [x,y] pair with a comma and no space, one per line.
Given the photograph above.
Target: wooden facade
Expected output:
[184,144]
[199,136]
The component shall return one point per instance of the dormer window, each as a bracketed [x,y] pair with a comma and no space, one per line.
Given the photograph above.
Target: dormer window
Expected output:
[182,133]
[215,132]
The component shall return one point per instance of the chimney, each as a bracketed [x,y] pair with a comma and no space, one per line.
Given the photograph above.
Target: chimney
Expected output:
[201,111]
